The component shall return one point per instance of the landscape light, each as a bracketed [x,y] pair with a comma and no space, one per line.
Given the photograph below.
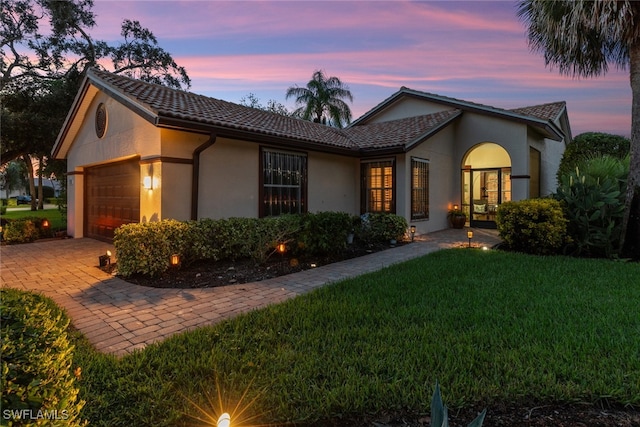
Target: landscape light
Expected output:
[175,260]
[224,420]
[470,236]
[412,230]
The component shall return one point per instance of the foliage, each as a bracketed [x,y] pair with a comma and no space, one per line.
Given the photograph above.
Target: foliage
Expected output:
[381,227]
[20,231]
[13,176]
[322,100]
[54,216]
[37,362]
[582,38]
[589,145]
[535,226]
[593,197]
[46,48]
[325,232]
[273,106]
[440,412]
[504,329]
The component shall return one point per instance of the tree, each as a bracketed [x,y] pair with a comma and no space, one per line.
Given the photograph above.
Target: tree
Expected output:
[582,38]
[46,48]
[13,176]
[322,100]
[273,106]
[589,145]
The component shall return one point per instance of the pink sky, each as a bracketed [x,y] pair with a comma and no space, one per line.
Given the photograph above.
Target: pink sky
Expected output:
[476,51]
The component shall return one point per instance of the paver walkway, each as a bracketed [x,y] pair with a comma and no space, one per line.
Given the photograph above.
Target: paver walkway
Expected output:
[119,317]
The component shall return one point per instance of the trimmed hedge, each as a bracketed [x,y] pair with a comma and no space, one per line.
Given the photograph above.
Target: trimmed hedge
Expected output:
[535,226]
[38,385]
[25,230]
[146,248]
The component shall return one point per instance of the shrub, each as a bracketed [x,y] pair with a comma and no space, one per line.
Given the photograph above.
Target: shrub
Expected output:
[535,226]
[20,231]
[143,248]
[381,227]
[36,362]
[593,196]
[326,232]
[589,145]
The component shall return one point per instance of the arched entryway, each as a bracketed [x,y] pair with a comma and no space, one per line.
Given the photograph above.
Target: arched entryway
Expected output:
[486,183]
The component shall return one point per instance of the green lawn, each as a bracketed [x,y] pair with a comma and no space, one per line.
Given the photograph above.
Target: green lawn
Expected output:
[490,326]
[53,215]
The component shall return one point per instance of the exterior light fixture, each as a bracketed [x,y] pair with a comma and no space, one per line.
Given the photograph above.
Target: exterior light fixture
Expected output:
[224,420]
[105,259]
[412,230]
[456,207]
[45,223]
[470,236]
[147,182]
[282,248]
[175,260]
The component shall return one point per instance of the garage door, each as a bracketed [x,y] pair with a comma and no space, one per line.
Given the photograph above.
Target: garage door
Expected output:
[112,198]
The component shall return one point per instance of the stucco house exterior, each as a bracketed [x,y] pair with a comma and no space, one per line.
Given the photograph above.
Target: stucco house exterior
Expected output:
[141,152]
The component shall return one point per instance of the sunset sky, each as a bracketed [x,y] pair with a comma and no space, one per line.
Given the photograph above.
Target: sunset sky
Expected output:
[472,50]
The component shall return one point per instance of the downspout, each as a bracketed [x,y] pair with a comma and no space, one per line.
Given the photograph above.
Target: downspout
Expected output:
[195,178]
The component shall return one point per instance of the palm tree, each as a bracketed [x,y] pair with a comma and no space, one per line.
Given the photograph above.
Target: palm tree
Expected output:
[322,99]
[582,38]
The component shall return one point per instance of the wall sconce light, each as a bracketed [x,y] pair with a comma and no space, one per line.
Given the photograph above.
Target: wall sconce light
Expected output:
[470,236]
[224,420]
[147,182]
[412,230]
[105,259]
[282,248]
[175,260]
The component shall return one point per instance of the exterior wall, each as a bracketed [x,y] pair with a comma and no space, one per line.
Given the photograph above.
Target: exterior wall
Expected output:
[229,179]
[127,135]
[407,107]
[444,181]
[333,183]
[475,128]
[551,154]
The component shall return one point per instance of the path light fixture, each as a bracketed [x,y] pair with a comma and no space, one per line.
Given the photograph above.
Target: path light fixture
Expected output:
[105,259]
[470,236]
[224,420]
[282,248]
[456,207]
[412,230]
[175,260]
[45,223]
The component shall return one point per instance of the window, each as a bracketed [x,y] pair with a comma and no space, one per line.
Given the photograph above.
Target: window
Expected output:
[419,189]
[377,187]
[284,177]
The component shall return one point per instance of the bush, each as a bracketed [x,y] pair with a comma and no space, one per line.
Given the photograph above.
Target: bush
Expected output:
[326,232]
[534,226]
[36,362]
[20,231]
[381,228]
[593,196]
[590,145]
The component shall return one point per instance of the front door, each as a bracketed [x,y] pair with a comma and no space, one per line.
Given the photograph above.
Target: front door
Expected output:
[483,190]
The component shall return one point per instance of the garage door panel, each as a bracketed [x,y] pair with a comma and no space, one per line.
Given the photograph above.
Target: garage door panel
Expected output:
[112,198]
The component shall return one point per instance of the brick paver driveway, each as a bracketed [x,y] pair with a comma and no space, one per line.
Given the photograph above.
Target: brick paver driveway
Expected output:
[118,317]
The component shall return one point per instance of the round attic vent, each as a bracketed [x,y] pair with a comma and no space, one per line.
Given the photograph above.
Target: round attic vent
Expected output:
[101,120]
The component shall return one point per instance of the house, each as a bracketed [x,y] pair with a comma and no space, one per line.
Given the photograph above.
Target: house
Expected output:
[141,152]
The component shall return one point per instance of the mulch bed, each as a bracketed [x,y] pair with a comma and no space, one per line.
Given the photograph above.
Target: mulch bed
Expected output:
[209,274]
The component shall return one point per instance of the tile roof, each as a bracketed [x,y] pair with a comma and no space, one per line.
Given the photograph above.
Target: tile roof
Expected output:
[549,111]
[165,103]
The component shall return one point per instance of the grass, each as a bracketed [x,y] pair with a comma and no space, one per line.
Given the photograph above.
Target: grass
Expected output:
[489,326]
[58,222]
